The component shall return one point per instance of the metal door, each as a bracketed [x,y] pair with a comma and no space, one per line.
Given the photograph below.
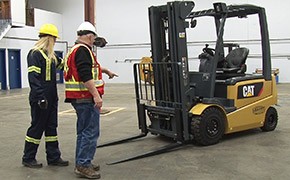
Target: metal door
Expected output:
[59,73]
[3,81]
[14,68]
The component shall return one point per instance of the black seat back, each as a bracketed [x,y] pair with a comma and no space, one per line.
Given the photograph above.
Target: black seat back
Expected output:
[205,62]
[236,58]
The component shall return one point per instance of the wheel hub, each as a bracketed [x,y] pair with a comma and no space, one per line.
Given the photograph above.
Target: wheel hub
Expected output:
[212,128]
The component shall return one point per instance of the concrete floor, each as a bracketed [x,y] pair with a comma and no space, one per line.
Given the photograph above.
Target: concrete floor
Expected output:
[246,155]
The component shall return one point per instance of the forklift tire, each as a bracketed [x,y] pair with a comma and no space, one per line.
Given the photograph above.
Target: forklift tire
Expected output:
[271,120]
[209,127]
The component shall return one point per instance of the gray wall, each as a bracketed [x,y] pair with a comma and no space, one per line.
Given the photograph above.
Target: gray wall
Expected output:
[72,12]
[125,25]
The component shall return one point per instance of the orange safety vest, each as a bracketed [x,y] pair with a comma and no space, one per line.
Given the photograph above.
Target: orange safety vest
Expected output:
[74,87]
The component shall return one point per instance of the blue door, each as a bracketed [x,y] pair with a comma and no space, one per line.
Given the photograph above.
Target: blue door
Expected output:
[3,82]
[14,68]
[59,73]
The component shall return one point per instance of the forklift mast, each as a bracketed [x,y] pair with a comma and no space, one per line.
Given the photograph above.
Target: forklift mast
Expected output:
[170,47]
[170,67]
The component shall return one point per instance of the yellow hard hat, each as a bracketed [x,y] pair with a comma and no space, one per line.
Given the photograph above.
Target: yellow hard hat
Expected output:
[49,29]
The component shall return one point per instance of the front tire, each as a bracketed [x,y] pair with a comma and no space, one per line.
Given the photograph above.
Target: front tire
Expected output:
[271,120]
[209,127]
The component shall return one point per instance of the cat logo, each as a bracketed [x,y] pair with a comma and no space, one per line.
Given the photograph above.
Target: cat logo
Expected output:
[250,90]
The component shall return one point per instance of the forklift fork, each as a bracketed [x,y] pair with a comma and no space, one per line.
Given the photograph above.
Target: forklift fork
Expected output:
[153,152]
[157,151]
[122,140]
[142,126]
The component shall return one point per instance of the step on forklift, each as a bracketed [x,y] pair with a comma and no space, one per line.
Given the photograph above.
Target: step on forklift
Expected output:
[219,98]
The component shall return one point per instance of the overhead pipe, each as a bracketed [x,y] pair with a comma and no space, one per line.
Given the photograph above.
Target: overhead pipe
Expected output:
[90,11]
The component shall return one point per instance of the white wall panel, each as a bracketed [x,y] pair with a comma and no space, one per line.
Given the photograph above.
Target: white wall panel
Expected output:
[18,15]
[43,17]
[72,12]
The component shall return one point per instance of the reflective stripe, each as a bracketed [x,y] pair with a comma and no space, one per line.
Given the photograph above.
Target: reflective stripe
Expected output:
[34,69]
[95,72]
[32,140]
[50,138]
[77,86]
[66,67]
[61,64]
[48,63]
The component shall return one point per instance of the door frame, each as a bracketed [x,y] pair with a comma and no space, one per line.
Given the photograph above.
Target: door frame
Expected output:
[14,70]
[3,76]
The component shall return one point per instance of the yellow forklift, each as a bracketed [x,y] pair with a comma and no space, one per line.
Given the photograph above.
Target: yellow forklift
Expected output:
[219,98]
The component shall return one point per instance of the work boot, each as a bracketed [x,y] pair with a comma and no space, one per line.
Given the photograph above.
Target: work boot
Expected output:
[87,172]
[96,167]
[32,164]
[59,162]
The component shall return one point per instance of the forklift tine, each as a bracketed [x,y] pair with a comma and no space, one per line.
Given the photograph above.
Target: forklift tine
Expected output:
[122,140]
[157,151]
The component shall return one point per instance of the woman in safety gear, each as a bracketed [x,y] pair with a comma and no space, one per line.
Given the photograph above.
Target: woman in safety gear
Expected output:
[43,99]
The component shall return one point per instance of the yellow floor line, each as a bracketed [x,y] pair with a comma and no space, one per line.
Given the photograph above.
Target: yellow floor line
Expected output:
[111,112]
[67,112]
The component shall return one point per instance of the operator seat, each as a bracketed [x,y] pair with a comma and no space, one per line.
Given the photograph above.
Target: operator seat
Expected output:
[205,64]
[235,61]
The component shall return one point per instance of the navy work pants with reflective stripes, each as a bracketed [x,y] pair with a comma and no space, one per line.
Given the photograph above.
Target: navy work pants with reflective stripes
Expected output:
[43,120]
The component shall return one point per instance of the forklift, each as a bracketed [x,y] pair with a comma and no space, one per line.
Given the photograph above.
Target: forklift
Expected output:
[219,98]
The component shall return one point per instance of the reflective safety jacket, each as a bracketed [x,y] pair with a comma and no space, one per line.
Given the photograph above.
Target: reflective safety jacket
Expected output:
[42,75]
[74,87]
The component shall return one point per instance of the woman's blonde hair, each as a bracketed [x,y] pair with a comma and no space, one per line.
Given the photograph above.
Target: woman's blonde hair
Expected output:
[46,43]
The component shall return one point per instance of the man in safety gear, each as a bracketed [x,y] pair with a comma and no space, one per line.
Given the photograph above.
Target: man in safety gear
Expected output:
[84,88]
[43,99]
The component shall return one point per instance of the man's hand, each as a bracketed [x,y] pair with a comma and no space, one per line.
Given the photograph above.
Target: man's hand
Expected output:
[98,101]
[109,73]
[93,90]
[112,74]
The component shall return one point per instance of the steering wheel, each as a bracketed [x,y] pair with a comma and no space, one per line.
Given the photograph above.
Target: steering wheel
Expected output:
[208,50]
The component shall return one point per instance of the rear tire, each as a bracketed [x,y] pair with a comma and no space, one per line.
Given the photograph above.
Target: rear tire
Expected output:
[271,120]
[209,127]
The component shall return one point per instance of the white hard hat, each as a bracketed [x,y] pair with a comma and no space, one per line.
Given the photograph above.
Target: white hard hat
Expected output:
[85,28]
